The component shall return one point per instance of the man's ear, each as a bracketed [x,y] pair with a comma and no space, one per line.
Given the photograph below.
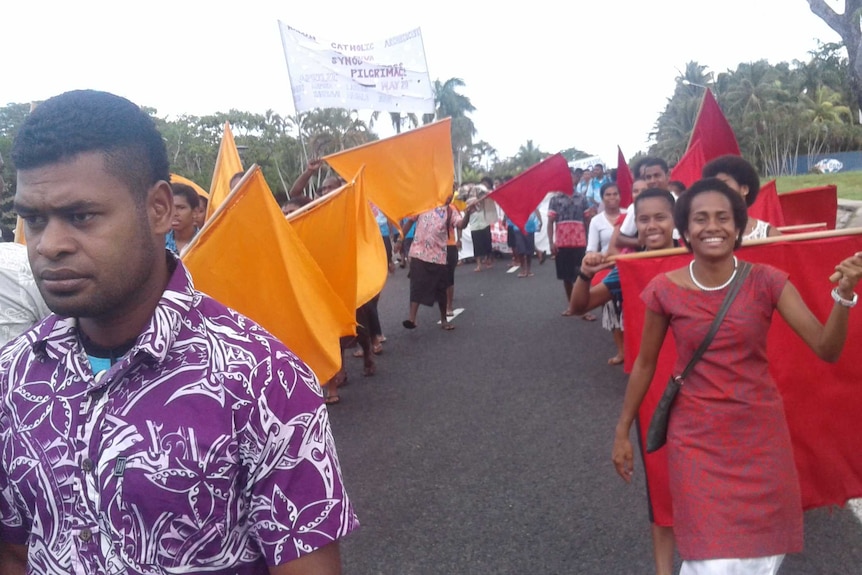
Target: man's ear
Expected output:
[160,206]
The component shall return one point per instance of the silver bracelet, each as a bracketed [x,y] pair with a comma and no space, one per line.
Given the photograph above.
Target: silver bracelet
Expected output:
[844,302]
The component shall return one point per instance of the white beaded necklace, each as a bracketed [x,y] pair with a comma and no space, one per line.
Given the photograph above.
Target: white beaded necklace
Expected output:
[716,288]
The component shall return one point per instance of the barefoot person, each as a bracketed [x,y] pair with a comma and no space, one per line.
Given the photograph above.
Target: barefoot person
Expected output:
[736,496]
[429,274]
[598,241]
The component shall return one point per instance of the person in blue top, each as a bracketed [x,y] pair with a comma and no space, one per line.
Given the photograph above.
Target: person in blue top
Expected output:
[183,228]
[524,244]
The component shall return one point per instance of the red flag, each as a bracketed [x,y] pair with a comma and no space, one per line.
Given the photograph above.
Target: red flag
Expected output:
[521,195]
[713,136]
[820,399]
[688,169]
[625,179]
[767,206]
[810,206]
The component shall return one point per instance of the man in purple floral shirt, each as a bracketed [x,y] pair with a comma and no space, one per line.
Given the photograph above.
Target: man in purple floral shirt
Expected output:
[144,427]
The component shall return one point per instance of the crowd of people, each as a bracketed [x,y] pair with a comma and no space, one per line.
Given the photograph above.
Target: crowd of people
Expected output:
[142,379]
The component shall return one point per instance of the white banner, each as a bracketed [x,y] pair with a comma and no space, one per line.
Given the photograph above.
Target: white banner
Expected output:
[387,76]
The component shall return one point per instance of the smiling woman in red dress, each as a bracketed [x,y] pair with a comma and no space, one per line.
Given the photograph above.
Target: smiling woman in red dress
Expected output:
[736,500]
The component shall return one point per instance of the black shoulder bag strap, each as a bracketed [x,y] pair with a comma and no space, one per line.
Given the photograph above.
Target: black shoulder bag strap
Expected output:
[657,431]
[744,268]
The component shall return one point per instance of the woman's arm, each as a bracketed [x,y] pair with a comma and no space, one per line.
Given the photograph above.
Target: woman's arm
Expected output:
[655,328]
[827,340]
[584,295]
[593,243]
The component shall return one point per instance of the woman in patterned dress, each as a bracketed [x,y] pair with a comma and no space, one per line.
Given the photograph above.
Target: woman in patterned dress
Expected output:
[736,496]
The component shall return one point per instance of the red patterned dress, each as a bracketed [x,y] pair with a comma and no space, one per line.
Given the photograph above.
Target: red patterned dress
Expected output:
[733,481]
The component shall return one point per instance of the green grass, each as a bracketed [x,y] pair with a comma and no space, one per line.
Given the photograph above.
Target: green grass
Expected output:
[849,183]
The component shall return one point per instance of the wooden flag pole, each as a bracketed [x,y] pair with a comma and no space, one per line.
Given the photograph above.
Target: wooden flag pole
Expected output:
[760,242]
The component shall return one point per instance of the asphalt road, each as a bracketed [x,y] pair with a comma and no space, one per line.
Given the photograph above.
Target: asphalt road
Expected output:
[486,450]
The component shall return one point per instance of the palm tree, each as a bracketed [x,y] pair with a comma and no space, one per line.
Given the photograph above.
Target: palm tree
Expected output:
[753,87]
[528,155]
[483,155]
[826,107]
[332,130]
[449,103]
[397,119]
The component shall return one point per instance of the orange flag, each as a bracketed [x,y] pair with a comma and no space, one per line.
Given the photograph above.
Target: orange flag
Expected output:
[178,179]
[250,259]
[227,164]
[406,174]
[342,236]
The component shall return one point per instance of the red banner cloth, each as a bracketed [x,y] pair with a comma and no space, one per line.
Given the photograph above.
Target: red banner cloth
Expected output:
[810,206]
[625,179]
[767,206]
[521,195]
[821,400]
[711,137]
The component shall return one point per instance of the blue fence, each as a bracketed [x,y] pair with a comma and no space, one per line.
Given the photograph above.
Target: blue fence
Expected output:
[830,163]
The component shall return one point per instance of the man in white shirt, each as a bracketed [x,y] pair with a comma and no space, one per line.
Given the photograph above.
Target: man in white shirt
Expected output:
[21,304]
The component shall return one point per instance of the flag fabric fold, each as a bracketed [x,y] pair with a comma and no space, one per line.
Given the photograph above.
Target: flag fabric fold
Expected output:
[178,179]
[625,179]
[711,137]
[821,400]
[405,174]
[767,206]
[227,164]
[810,206]
[341,234]
[521,195]
[249,258]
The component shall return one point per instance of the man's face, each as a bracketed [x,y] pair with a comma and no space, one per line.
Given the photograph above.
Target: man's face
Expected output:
[92,247]
[655,177]
[586,176]
[183,217]
[637,187]
[328,185]
[598,171]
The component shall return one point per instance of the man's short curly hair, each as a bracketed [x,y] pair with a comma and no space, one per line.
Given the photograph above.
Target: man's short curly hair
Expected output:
[90,121]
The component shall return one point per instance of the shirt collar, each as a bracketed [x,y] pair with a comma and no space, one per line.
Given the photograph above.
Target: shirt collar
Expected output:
[57,336]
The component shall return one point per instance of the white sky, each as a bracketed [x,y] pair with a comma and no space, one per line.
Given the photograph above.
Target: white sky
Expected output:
[585,74]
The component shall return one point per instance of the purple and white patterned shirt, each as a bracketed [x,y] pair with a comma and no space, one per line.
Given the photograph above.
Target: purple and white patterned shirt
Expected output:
[206,448]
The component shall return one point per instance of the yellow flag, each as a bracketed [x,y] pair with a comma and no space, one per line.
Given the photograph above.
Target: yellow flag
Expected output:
[406,174]
[178,179]
[250,259]
[342,235]
[227,164]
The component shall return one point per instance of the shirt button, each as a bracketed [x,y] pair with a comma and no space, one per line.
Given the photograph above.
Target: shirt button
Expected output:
[85,535]
[87,465]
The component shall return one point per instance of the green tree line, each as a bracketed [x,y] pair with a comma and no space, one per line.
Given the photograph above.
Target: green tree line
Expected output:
[778,112]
